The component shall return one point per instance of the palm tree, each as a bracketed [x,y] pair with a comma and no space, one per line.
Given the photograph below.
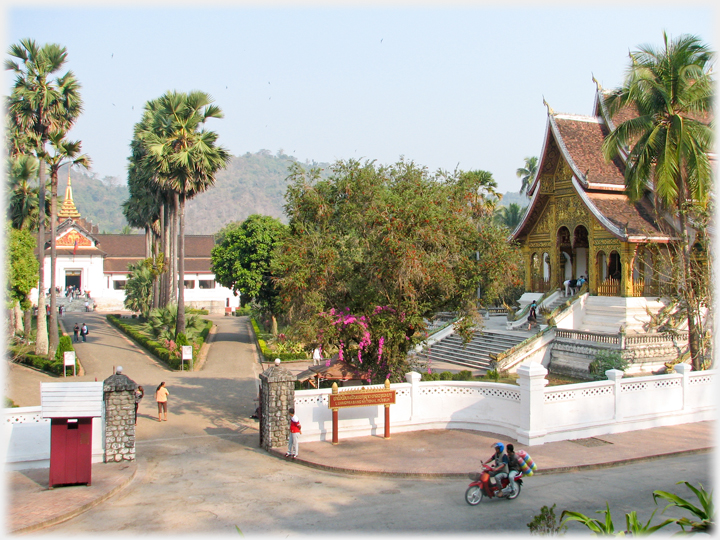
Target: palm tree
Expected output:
[64,152]
[37,107]
[527,173]
[510,216]
[186,157]
[23,211]
[486,195]
[666,145]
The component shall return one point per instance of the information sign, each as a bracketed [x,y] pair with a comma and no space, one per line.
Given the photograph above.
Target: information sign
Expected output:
[362,398]
[187,352]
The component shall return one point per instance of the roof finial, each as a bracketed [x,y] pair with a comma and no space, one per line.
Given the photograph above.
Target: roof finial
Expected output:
[549,108]
[68,210]
[597,83]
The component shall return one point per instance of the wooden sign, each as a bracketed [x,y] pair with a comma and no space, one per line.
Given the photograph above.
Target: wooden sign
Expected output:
[362,398]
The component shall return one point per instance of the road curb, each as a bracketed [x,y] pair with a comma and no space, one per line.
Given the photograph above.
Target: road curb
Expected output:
[79,510]
[553,470]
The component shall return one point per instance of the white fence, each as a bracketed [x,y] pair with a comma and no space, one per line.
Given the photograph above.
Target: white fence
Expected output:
[529,412]
[27,438]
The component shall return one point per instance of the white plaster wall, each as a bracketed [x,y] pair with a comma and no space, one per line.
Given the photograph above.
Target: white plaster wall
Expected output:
[91,267]
[27,439]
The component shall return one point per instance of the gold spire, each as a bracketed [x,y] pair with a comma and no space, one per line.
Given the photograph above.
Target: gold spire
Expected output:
[68,209]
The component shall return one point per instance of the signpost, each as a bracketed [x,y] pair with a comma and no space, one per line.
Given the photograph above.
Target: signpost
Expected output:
[69,360]
[187,355]
[360,398]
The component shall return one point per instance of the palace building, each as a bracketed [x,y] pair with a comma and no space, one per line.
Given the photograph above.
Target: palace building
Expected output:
[98,263]
[580,222]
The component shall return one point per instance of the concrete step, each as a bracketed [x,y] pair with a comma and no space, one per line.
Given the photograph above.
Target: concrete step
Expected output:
[475,354]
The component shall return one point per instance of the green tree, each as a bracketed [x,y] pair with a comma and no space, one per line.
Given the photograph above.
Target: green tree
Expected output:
[22,198]
[374,250]
[185,156]
[510,216]
[38,106]
[667,144]
[527,173]
[138,289]
[22,270]
[161,324]
[242,260]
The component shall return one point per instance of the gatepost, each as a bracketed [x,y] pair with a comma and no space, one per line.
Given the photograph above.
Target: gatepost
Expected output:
[278,395]
[119,397]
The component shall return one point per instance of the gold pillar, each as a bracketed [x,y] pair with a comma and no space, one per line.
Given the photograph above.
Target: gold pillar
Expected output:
[527,257]
[627,255]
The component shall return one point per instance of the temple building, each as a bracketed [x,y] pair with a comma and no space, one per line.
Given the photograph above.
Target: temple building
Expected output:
[98,263]
[579,220]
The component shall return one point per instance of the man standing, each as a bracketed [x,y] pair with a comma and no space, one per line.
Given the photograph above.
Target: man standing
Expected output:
[84,331]
[317,356]
[295,431]
[76,331]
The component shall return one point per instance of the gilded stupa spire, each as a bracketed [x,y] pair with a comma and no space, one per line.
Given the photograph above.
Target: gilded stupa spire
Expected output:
[68,209]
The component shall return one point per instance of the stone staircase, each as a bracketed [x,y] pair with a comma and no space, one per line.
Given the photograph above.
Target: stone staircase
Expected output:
[474,355]
[71,305]
[607,313]
[551,307]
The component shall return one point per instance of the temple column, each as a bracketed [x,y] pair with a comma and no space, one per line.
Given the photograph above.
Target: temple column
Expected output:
[527,257]
[627,256]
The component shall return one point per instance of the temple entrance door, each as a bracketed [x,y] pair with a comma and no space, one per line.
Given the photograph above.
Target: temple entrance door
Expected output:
[74,278]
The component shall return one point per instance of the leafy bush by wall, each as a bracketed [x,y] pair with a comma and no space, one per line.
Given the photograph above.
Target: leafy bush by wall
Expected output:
[269,355]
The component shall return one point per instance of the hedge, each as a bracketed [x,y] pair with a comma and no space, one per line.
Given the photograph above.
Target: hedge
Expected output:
[152,346]
[50,365]
[269,355]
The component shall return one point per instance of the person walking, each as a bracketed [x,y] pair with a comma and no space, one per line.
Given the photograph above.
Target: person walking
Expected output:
[87,306]
[295,431]
[161,395]
[84,331]
[76,331]
[317,356]
[139,394]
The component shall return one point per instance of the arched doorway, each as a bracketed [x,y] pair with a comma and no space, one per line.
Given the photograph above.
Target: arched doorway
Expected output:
[581,246]
[609,273]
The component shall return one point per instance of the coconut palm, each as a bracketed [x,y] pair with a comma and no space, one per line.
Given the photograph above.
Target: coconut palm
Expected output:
[666,145]
[510,216]
[186,157]
[23,211]
[527,173]
[486,195]
[38,106]
[62,152]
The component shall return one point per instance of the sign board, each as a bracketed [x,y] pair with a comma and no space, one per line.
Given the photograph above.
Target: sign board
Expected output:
[361,398]
[69,357]
[187,352]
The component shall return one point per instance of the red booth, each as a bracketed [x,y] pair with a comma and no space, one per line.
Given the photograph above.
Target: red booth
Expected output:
[71,408]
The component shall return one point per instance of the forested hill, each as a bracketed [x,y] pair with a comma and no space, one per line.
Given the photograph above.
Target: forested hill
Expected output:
[251,184]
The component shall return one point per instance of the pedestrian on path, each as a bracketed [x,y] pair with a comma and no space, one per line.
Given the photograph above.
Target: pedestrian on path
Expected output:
[76,331]
[87,305]
[84,331]
[139,394]
[317,356]
[161,395]
[295,431]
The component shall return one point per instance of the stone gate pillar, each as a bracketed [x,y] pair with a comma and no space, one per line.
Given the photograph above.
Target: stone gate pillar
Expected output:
[119,397]
[278,395]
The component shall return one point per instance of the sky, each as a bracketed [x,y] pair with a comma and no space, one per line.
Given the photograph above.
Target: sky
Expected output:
[447,87]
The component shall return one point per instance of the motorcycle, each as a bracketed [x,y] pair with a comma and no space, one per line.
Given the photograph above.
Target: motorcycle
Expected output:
[482,487]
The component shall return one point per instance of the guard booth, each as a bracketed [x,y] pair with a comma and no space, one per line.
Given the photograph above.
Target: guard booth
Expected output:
[71,408]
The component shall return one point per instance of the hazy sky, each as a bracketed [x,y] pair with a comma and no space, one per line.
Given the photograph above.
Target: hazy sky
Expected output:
[459,86]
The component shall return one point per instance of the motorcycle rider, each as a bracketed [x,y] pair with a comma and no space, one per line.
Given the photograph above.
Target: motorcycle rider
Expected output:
[514,468]
[499,466]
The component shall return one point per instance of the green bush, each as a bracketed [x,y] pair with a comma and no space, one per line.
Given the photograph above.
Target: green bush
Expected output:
[464,375]
[446,376]
[270,355]
[153,347]
[196,311]
[65,345]
[604,361]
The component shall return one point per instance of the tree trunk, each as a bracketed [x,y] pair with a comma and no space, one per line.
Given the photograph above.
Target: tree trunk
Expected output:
[686,283]
[41,340]
[27,323]
[53,323]
[180,327]
[156,280]
[18,319]
[173,248]
[165,278]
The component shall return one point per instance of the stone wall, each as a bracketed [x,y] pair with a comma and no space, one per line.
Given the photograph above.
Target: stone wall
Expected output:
[119,397]
[278,395]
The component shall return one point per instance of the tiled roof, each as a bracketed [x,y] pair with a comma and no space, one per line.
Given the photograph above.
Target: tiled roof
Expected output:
[632,219]
[192,265]
[133,245]
[583,138]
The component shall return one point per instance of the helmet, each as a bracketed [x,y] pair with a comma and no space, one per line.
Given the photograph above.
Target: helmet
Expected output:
[499,445]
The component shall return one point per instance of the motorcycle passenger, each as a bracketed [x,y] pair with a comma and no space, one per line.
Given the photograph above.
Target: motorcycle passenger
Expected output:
[499,465]
[514,468]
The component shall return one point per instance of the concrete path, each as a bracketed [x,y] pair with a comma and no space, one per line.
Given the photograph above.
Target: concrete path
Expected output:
[202,470]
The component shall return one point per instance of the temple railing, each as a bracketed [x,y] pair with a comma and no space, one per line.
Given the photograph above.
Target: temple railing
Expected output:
[609,287]
[620,340]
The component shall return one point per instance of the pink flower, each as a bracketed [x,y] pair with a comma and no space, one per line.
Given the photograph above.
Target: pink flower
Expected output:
[429,370]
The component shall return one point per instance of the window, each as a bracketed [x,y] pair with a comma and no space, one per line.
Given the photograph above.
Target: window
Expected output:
[119,285]
[207,283]
[189,283]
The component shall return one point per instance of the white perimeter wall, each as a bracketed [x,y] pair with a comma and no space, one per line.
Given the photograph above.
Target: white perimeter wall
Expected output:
[26,438]
[529,412]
